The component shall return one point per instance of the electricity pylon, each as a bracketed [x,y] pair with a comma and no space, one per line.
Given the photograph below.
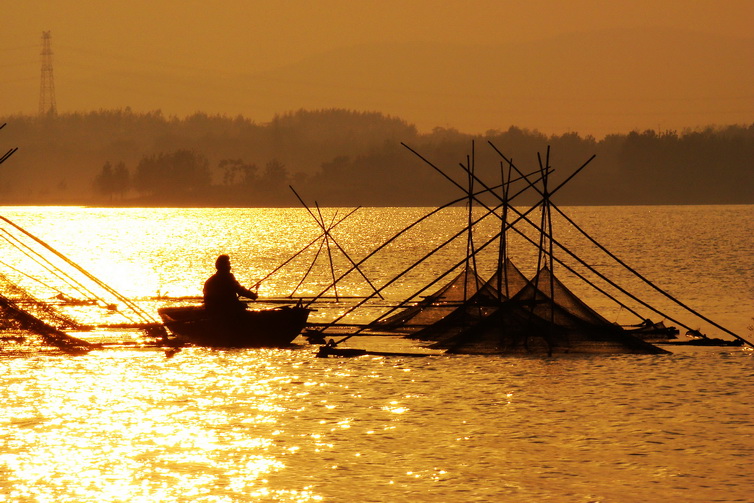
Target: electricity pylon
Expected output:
[47,105]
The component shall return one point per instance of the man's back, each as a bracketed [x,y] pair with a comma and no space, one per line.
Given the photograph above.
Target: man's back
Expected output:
[221,291]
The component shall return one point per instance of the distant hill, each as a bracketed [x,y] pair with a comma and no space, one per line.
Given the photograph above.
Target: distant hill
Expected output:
[610,82]
[347,158]
[569,82]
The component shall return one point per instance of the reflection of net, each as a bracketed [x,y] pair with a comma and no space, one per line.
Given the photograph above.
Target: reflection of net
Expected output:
[20,313]
[531,322]
[33,306]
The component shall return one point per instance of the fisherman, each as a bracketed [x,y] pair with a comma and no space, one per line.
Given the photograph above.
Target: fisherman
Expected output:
[221,290]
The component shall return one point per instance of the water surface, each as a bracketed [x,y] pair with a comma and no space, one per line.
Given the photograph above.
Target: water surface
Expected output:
[281,425]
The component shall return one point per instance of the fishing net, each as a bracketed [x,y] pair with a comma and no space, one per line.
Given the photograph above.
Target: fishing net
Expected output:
[435,307]
[505,283]
[533,321]
[43,294]
[486,300]
[44,311]
[21,329]
[552,289]
[27,323]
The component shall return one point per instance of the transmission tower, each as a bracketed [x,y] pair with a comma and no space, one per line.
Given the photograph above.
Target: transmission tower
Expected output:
[47,104]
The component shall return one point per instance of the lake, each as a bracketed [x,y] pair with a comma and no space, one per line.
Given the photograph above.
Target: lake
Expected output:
[282,425]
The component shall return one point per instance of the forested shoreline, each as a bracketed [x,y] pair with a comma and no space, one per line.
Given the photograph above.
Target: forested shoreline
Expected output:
[346,158]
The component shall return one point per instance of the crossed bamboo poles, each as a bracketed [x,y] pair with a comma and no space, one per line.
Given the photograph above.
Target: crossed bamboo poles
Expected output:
[545,246]
[326,238]
[552,241]
[139,315]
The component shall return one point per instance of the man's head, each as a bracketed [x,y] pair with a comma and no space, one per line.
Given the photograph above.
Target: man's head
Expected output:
[222,263]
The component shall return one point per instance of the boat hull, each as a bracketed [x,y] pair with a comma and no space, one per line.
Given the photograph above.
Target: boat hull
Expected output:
[246,329]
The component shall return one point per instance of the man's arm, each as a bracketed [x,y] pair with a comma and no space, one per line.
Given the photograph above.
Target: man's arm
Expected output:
[244,292]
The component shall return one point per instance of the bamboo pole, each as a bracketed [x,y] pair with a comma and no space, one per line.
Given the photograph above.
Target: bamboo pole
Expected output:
[486,189]
[306,247]
[390,240]
[632,270]
[410,226]
[437,279]
[409,268]
[607,280]
[329,255]
[576,257]
[447,272]
[43,262]
[455,266]
[343,251]
[469,227]
[37,280]
[8,154]
[651,284]
[309,269]
[136,309]
[47,266]
[502,276]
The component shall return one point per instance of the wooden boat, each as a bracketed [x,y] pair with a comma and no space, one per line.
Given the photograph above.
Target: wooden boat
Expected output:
[650,331]
[703,340]
[712,342]
[276,327]
[328,350]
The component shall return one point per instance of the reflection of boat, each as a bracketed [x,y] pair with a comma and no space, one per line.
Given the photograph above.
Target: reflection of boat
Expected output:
[246,329]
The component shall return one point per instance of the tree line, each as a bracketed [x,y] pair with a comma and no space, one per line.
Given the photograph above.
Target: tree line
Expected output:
[341,157]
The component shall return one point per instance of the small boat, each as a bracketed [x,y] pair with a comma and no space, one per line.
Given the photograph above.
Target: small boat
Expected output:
[328,350]
[697,338]
[276,327]
[706,341]
[650,331]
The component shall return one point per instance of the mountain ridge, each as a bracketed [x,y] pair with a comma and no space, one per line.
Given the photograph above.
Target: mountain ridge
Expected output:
[589,82]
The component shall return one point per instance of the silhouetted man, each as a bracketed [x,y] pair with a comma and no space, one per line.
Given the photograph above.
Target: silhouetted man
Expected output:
[221,290]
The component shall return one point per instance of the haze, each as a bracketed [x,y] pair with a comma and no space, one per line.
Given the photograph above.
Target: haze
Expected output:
[591,67]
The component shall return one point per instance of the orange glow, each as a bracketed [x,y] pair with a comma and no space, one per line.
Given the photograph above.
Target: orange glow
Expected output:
[586,66]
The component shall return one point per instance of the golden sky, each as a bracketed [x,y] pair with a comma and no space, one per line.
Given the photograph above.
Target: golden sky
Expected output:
[472,65]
